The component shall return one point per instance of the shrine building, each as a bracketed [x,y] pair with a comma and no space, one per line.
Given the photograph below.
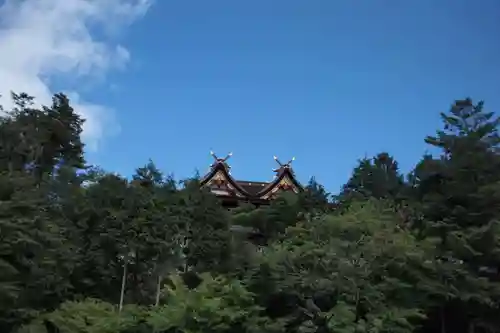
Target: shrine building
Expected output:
[232,192]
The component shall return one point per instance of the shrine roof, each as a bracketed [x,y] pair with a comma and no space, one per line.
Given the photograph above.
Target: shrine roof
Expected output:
[252,187]
[249,189]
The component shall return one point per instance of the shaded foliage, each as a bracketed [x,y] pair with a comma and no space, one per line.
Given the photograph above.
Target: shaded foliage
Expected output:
[85,250]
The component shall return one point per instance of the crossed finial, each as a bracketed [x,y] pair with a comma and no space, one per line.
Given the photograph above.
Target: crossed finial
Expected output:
[285,165]
[220,160]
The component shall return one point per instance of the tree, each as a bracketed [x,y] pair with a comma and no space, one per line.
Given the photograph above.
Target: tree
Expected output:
[315,198]
[35,257]
[460,189]
[460,196]
[270,222]
[204,225]
[338,269]
[34,142]
[41,139]
[88,316]
[378,178]
[362,270]
[219,304]
[86,250]
[115,219]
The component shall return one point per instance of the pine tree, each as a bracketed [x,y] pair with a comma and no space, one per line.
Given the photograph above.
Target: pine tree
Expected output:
[460,189]
[378,178]
[460,199]
[314,198]
[205,226]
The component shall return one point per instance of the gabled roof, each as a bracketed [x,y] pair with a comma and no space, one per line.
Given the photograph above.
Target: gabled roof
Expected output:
[223,184]
[251,187]
[220,171]
[284,177]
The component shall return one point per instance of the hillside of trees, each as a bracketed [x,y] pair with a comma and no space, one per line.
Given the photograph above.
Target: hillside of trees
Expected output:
[84,250]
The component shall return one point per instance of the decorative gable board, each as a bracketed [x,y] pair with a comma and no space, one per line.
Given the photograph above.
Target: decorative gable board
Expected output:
[219,184]
[285,184]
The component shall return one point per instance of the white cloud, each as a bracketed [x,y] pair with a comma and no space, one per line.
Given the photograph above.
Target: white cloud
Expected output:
[40,39]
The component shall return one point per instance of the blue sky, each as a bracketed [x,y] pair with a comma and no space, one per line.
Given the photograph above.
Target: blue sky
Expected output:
[325,81]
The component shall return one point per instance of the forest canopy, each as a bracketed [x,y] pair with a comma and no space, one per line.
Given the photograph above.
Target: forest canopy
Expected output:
[86,250]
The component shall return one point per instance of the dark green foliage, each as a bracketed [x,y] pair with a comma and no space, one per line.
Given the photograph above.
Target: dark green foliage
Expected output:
[40,140]
[459,195]
[204,228]
[378,177]
[32,255]
[315,198]
[388,254]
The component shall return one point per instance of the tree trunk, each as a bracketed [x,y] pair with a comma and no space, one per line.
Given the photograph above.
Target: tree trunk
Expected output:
[122,293]
[158,286]
[442,319]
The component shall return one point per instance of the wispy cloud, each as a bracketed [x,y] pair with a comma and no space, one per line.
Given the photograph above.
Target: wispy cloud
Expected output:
[40,39]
